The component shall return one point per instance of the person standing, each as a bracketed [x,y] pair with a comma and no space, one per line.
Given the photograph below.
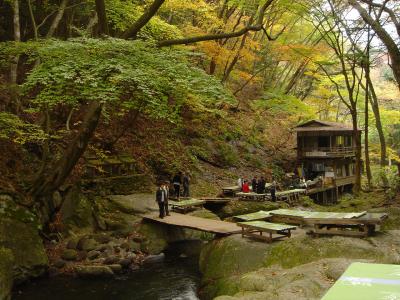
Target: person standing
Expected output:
[273,190]
[240,183]
[177,181]
[245,187]
[166,191]
[254,184]
[186,181]
[261,186]
[160,198]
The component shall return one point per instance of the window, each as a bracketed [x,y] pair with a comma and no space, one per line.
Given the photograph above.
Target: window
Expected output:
[339,171]
[323,141]
[348,141]
[339,141]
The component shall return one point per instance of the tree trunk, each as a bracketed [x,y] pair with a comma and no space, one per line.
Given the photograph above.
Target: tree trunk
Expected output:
[14,65]
[366,138]
[234,60]
[55,175]
[132,31]
[102,18]
[57,18]
[35,28]
[357,144]
[378,122]
[387,40]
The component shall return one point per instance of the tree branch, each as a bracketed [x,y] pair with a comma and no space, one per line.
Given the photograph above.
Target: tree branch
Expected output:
[218,36]
[132,31]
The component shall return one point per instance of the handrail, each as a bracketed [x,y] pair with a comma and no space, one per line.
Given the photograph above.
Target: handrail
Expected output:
[328,149]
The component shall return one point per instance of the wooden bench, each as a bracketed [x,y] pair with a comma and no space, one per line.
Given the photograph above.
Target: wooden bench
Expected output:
[253,196]
[256,229]
[185,206]
[360,227]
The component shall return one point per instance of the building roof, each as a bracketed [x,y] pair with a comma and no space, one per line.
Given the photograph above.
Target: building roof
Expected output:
[317,125]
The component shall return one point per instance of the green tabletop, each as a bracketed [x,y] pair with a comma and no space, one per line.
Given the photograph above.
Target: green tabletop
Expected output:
[251,194]
[254,216]
[315,214]
[363,281]
[267,225]
[189,202]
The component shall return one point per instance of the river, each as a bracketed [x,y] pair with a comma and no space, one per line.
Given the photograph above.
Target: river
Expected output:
[172,278]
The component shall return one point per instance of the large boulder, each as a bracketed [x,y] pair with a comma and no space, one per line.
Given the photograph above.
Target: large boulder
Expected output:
[6,276]
[305,282]
[77,209]
[223,260]
[304,249]
[135,203]
[226,264]
[30,259]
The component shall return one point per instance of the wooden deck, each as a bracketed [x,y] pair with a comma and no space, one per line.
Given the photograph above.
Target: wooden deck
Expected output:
[196,223]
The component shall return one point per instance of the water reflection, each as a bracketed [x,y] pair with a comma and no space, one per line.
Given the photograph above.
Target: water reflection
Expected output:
[173,278]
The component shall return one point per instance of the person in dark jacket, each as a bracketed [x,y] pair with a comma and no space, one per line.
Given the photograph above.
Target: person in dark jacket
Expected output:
[254,184]
[186,181]
[177,181]
[273,190]
[261,185]
[166,191]
[161,199]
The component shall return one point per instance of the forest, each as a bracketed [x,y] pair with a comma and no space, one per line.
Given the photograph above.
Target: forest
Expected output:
[101,100]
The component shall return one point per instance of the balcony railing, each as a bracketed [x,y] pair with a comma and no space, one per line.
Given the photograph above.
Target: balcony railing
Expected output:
[328,152]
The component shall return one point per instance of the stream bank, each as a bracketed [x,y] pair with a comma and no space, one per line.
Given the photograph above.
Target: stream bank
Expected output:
[171,278]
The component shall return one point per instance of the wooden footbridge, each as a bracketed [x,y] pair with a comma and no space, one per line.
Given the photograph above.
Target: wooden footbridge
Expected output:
[196,223]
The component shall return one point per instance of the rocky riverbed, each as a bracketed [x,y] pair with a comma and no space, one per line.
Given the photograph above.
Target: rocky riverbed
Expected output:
[104,238]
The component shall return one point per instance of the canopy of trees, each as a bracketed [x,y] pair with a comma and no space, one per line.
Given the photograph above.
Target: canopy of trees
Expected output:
[88,76]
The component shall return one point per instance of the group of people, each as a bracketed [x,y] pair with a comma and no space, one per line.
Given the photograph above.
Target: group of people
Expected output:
[258,185]
[163,194]
[181,179]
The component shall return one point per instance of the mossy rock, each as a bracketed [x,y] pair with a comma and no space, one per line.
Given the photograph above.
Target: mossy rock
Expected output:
[69,254]
[305,282]
[30,259]
[6,276]
[304,249]
[223,259]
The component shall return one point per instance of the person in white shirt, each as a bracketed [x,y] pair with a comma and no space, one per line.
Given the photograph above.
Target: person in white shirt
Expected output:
[240,182]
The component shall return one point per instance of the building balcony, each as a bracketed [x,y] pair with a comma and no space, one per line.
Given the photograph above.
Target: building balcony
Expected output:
[327,152]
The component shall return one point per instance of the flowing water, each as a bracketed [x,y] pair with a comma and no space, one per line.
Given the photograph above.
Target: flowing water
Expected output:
[173,278]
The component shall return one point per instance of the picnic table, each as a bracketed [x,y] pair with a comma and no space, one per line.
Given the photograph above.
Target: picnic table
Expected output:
[253,196]
[360,226]
[230,190]
[365,281]
[184,206]
[259,215]
[304,217]
[256,229]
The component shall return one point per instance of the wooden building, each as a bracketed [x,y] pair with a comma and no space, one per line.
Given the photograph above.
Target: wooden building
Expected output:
[326,156]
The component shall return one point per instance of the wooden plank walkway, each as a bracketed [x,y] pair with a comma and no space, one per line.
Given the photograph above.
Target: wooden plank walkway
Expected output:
[202,224]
